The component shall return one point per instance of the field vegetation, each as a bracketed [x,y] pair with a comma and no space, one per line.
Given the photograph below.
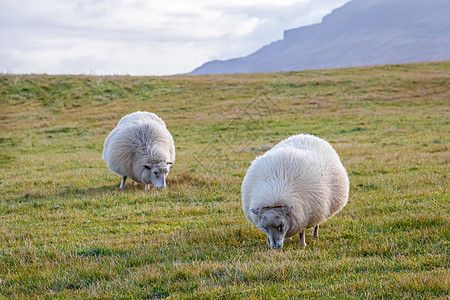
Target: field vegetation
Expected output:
[67,231]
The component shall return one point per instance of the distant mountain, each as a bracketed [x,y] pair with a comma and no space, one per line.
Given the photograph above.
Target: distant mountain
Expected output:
[360,33]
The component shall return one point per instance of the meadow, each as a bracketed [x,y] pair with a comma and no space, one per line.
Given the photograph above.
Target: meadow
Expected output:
[67,231]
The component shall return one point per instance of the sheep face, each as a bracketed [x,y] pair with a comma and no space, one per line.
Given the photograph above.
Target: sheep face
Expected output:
[275,222]
[156,174]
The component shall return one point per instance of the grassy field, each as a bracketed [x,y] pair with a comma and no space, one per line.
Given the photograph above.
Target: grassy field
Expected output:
[67,231]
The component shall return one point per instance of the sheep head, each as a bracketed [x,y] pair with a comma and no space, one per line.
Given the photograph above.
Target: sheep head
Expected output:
[156,173]
[275,222]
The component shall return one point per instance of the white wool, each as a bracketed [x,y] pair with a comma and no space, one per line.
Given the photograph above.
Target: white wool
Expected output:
[303,171]
[139,117]
[139,138]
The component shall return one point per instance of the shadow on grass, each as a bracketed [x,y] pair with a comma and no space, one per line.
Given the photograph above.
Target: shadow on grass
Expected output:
[176,181]
[92,191]
[64,192]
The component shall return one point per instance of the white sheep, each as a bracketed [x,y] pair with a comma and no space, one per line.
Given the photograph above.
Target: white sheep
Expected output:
[298,184]
[140,147]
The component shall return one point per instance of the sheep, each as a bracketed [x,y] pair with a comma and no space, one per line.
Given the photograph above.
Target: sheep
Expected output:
[297,184]
[140,147]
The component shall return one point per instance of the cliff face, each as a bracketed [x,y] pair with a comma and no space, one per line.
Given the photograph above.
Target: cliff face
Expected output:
[362,32]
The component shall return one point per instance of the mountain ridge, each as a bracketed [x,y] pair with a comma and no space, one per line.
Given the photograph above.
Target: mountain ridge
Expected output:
[359,33]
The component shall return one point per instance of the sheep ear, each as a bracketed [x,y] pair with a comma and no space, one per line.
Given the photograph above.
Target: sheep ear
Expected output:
[287,209]
[147,166]
[256,211]
[169,163]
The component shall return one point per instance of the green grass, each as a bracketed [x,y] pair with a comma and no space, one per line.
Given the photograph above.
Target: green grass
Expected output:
[68,232]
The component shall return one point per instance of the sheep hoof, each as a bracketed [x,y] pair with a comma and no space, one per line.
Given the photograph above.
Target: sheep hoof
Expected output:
[302,242]
[315,234]
[122,184]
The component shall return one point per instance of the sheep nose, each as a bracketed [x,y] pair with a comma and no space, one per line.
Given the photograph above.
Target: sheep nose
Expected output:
[277,246]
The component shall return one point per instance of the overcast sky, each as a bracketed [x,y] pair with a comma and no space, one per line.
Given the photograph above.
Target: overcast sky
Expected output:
[142,37]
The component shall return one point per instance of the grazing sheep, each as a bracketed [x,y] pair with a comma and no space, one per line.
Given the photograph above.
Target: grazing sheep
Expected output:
[298,184]
[140,147]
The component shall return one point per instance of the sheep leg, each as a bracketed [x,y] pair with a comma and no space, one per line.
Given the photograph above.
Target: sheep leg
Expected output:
[268,241]
[302,242]
[122,184]
[147,186]
[316,232]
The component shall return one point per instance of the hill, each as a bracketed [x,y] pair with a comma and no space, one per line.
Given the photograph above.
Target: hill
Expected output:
[360,33]
[67,231]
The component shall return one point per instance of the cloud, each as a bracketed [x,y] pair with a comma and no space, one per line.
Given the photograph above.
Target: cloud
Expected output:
[140,37]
